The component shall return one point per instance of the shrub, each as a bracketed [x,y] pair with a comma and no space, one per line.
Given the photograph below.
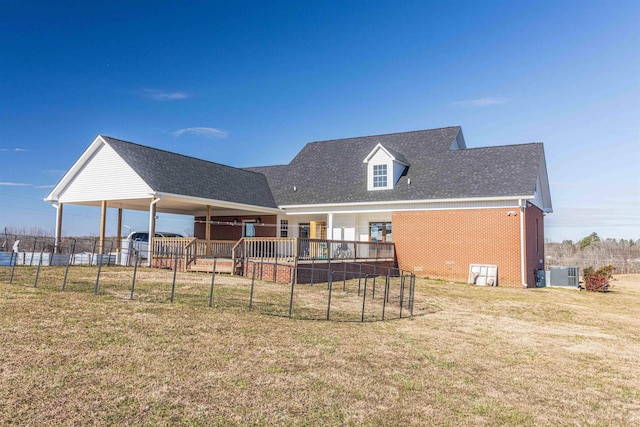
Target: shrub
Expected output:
[598,281]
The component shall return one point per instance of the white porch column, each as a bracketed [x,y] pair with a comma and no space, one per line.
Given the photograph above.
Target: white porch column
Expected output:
[58,235]
[330,226]
[152,228]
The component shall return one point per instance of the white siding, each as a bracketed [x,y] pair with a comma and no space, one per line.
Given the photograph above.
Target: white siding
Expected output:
[105,177]
[346,223]
[394,170]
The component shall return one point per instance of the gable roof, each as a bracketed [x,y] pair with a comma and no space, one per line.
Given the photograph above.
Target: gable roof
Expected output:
[177,174]
[329,172]
[394,155]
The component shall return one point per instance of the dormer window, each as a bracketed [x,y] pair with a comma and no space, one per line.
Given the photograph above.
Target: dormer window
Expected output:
[379,176]
[384,168]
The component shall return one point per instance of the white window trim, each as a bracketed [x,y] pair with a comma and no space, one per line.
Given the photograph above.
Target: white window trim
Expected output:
[370,177]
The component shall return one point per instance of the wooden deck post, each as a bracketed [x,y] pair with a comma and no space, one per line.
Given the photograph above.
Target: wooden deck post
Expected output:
[207,231]
[119,232]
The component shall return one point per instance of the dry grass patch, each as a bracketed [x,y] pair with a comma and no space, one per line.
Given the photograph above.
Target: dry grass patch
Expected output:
[475,356]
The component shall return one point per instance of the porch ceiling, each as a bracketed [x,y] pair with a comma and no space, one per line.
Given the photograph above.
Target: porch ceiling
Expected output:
[182,205]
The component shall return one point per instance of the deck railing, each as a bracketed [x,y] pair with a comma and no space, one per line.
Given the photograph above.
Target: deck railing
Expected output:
[286,249]
[191,248]
[290,249]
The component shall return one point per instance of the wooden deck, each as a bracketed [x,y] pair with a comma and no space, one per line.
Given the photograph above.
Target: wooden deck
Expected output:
[191,254]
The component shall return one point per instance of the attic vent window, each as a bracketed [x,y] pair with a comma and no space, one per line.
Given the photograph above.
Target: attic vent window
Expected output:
[379,176]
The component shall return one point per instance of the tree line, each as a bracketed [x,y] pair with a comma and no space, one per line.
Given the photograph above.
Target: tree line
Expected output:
[592,251]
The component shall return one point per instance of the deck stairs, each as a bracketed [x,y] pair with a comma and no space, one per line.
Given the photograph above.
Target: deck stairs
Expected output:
[223,265]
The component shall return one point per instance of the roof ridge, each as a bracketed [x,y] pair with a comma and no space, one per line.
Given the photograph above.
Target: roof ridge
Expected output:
[501,146]
[385,134]
[177,154]
[266,166]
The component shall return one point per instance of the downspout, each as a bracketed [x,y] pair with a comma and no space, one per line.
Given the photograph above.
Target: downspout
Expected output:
[152,226]
[523,270]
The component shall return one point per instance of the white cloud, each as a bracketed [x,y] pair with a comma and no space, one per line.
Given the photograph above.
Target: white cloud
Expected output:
[204,132]
[13,149]
[479,102]
[14,184]
[163,95]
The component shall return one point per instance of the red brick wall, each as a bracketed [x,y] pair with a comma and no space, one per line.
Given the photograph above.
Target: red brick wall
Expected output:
[534,249]
[442,244]
[265,271]
[266,228]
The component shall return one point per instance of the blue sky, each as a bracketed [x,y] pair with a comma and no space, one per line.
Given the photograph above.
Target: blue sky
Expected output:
[249,83]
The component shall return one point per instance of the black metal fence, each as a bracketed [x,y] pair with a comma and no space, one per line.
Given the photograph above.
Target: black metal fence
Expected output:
[361,293]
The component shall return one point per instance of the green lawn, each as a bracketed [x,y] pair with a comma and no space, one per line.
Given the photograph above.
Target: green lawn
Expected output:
[471,356]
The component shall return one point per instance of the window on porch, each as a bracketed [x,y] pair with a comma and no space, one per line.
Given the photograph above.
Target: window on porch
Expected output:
[380,232]
[248,228]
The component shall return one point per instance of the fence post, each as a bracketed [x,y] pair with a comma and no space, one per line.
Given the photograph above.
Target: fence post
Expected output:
[412,293]
[135,271]
[328,271]
[95,290]
[312,269]
[330,286]
[213,279]
[344,276]
[93,252]
[51,255]
[275,267]
[386,296]
[110,251]
[364,298]
[35,283]
[66,270]
[175,272]
[293,282]
[401,294]
[253,280]
[13,268]
[33,251]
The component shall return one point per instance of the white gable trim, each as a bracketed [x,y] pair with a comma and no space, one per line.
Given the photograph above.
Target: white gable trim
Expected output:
[99,174]
[389,155]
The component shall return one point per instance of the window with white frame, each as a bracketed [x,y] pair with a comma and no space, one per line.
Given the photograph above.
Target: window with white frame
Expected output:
[379,176]
[284,228]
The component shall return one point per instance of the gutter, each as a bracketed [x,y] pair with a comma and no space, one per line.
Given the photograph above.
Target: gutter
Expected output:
[392,202]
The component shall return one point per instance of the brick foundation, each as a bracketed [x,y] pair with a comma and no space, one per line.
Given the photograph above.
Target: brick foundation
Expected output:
[317,272]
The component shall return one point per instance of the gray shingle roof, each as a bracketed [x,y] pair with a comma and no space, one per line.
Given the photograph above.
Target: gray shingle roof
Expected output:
[333,171]
[173,173]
